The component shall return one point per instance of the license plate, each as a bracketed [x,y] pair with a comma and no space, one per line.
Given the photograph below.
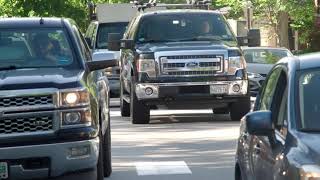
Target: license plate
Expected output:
[218,89]
[4,174]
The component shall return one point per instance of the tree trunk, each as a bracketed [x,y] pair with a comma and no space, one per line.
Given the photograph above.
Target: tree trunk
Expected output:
[283,29]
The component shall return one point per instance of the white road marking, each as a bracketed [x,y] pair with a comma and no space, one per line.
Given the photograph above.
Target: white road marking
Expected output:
[162,168]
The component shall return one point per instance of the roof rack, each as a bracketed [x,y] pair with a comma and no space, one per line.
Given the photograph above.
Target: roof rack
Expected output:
[191,4]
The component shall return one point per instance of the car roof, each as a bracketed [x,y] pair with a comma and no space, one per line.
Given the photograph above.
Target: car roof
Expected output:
[309,61]
[30,22]
[179,11]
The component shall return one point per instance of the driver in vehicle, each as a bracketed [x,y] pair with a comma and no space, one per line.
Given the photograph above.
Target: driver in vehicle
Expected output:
[50,50]
[205,29]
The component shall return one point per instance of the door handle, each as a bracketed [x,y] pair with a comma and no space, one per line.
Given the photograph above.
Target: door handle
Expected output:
[257,149]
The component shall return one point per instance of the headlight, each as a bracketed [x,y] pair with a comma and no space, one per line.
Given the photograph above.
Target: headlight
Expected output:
[108,71]
[254,75]
[147,66]
[74,97]
[310,172]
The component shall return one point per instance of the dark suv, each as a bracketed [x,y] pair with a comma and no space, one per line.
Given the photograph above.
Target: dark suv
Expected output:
[54,101]
[182,59]
[279,140]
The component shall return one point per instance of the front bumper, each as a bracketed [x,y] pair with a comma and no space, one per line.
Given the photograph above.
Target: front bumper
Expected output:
[58,156]
[206,92]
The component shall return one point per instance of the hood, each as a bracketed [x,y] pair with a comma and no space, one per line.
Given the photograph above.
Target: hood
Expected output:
[185,46]
[40,78]
[259,68]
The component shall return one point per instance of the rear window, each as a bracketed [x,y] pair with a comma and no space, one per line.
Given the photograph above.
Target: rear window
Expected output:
[35,48]
[264,56]
[105,29]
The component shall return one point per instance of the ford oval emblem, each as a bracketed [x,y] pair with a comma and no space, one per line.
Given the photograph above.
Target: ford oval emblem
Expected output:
[192,64]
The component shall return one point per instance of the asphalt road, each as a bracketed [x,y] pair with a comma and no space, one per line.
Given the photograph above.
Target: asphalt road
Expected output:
[176,145]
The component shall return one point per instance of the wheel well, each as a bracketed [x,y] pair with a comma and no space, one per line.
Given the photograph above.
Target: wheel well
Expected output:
[237,172]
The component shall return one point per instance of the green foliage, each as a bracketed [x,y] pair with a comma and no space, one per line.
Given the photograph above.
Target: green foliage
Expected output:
[236,5]
[74,9]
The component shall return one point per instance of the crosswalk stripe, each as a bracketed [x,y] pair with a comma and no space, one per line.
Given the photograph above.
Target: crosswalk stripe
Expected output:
[162,168]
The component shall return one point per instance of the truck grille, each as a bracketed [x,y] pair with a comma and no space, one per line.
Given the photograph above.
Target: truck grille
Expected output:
[25,101]
[191,65]
[26,124]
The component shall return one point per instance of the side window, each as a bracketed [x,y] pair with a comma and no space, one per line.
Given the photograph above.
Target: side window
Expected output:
[279,107]
[269,90]
[282,119]
[83,45]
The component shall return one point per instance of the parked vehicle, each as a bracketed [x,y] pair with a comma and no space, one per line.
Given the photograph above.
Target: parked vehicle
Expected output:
[182,59]
[54,101]
[260,61]
[279,139]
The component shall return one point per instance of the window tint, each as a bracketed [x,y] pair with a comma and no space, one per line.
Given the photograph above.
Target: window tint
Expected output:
[105,29]
[309,88]
[282,121]
[269,90]
[35,48]
[264,56]
[180,27]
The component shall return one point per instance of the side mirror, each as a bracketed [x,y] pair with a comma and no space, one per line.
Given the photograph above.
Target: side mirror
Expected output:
[127,44]
[102,60]
[254,37]
[114,40]
[259,123]
[89,42]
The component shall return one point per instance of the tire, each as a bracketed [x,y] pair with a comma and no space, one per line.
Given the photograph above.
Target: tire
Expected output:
[140,113]
[124,106]
[100,169]
[239,109]
[107,158]
[238,174]
[220,110]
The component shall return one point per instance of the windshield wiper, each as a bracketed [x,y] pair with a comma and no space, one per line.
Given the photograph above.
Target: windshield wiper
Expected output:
[199,39]
[11,67]
[156,41]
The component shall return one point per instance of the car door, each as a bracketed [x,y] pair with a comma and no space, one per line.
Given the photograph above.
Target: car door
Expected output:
[263,149]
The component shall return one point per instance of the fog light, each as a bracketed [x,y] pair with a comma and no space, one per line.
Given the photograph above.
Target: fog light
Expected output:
[76,152]
[236,88]
[149,91]
[72,118]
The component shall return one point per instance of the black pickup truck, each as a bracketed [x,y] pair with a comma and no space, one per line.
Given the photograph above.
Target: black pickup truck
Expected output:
[182,59]
[54,101]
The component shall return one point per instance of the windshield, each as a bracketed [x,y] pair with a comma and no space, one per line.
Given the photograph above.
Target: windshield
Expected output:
[184,27]
[264,56]
[105,29]
[309,88]
[34,48]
